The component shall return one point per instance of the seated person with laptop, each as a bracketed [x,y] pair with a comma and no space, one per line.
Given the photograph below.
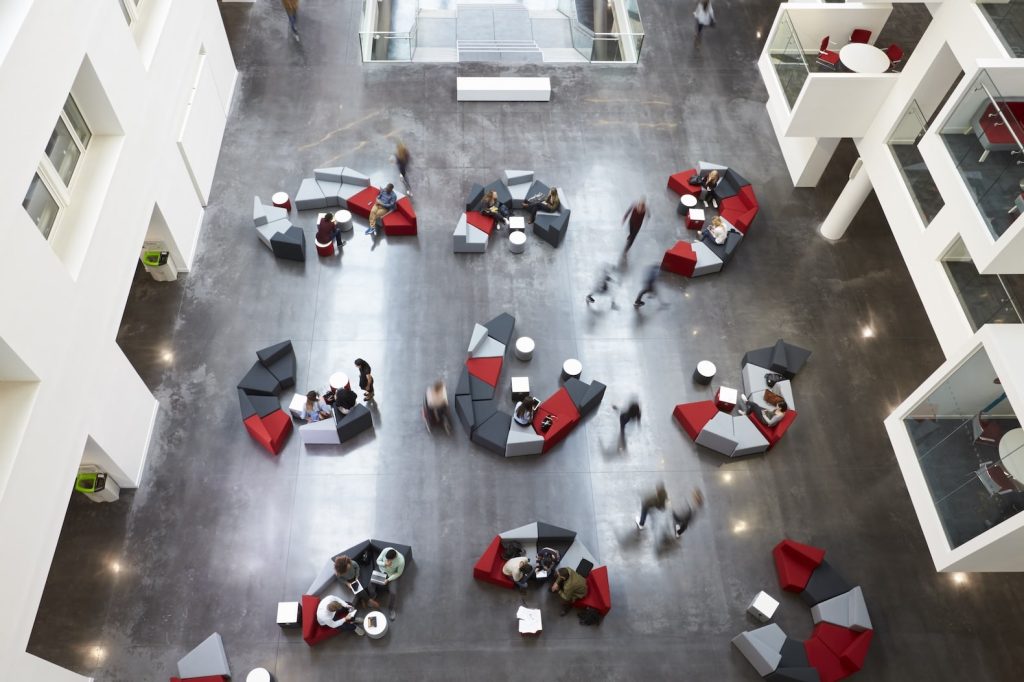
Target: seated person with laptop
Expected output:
[390,565]
[335,612]
[347,571]
[520,570]
[769,416]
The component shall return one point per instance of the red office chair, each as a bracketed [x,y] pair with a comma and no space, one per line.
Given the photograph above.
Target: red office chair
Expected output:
[827,57]
[860,35]
[895,54]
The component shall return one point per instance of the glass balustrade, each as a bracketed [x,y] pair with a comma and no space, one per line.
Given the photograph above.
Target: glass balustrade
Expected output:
[788,59]
[987,299]
[903,144]
[986,140]
[1007,18]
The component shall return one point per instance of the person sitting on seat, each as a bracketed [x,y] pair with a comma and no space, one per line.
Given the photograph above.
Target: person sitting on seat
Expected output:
[335,612]
[385,203]
[520,570]
[547,559]
[570,586]
[495,209]
[716,230]
[347,571]
[392,564]
[707,188]
[768,416]
[548,204]
[345,399]
[525,408]
[435,406]
[327,230]
[315,409]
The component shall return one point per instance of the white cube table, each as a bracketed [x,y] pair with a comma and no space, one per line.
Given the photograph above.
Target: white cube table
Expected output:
[529,621]
[517,222]
[763,606]
[520,387]
[288,615]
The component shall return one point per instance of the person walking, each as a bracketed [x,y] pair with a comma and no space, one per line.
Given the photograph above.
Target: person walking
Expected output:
[649,281]
[603,286]
[636,214]
[704,13]
[291,8]
[631,412]
[402,160]
[681,519]
[659,500]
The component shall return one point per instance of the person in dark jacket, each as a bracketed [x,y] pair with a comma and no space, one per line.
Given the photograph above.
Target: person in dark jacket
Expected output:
[650,279]
[570,586]
[365,379]
[630,412]
[636,214]
[327,230]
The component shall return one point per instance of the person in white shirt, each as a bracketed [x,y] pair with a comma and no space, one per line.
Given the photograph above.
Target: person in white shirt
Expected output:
[519,569]
[335,612]
[717,230]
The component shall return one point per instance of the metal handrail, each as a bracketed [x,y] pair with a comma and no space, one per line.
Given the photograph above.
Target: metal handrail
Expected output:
[1006,122]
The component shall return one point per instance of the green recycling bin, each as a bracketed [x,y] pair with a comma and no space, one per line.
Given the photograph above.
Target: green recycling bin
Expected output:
[97,486]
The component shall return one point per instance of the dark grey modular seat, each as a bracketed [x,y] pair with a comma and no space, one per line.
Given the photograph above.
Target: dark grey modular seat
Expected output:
[504,196]
[500,328]
[275,352]
[355,422]
[593,397]
[537,190]
[788,359]
[804,674]
[264,404]
[258,380]
[464,410]
[245,404]
[290,244]
[577,391]
[480,389]
[475,196]
[462,388]
[284,369]
[825,583]
[482,411]
[794,655]
[724,251]
[762,357]
[493,433]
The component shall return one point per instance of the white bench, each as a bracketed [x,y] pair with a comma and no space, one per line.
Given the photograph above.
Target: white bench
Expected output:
[503,89]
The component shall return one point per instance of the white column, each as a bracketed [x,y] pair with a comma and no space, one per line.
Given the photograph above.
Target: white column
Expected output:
[847,204]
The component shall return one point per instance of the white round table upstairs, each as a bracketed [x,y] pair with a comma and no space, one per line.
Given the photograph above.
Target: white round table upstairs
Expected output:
[864,58]
[1011,453]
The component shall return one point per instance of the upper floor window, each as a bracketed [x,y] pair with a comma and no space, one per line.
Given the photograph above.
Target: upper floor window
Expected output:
[130,8]
[50,189]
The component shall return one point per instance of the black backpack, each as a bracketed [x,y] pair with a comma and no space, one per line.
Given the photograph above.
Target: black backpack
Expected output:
[510,549]
[590,616]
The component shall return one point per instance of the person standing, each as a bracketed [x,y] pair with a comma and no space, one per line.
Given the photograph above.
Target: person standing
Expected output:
[291,8]
[704,14]
[402,160]
[649,281]
[636,214]
[365,379]
[631,412]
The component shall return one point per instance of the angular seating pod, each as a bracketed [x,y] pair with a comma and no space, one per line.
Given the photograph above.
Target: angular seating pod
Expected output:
[262,416]
[572,552]
[474,229]
[738,207]
[277,232]
[208,660]
[495,429]
[345,188]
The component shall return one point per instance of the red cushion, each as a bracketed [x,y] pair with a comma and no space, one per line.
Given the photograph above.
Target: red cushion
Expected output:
[404,207]
[488,567]
[561,406]
[361,203]
[254,425]
[485,369]
[279,426]
[794,563]
[849,646]
[829,57]
[828,665]
[680,259]
[773,433]
[678,182]
[312,631]
[741,221]
[480,221]
[397,224]
[599,595]
[694,416]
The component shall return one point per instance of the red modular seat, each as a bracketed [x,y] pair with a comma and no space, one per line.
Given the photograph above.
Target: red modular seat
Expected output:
[563,409]
[401,221]
[312,632]
[361,203]
[270,431]
[482,222]
[837,652]
[741,209]
[794,563]
[694,416]
[774,433]
[487,370]
[599,594]
[488,567]
[680,259]
[679,182]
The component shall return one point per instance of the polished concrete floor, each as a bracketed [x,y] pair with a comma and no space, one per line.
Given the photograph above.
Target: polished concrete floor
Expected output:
[220,531]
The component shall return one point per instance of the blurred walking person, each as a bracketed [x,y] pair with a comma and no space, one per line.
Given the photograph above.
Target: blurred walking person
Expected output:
[291,8]
[636,214]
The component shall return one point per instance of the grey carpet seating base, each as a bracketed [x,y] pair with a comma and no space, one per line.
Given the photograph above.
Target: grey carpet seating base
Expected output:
[206,660]
[762,647]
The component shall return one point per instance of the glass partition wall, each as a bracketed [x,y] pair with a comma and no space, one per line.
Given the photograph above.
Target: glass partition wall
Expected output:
[903,144]
[986,140]
[1007,18]
[970,446]
[788,58]
[987,299]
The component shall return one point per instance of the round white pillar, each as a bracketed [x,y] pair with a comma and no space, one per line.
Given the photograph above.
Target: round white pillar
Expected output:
[847,204]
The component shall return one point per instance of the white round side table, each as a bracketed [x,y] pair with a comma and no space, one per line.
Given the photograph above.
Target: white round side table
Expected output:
[375,624]
[258,675]
[344,220]
[339,380]
[572,368]
[517,241]
[524,348]
[705,372]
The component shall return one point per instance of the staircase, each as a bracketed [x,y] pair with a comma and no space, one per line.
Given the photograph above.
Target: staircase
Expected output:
[495,32]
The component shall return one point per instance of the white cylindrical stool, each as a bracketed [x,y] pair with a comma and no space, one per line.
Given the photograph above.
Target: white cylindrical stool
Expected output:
[572,368]
[281,200]
[375,624]
[258,675]
[524,348]
[339,380]
[517,241]
[686,202]
[705,372]
[344,220]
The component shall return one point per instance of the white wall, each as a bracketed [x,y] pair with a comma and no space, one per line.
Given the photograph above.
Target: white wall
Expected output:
[839,104]
[67,297]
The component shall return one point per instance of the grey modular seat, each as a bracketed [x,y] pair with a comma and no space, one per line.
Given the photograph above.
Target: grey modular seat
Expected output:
[825,583]
[523,440]
[762,647]
[848,610]
[783,358]
[755,384]
[552,226]
[206,660]
[364,554]
[323,432]
[468,239]
[277,232]
[493,432]
[732,435]
[708,261]
[355,422]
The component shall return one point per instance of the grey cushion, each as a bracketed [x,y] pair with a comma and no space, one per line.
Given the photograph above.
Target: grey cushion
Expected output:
[259,216]
[493,433]
[577,391]
[264,404]
[290,245]
[207,659]
[355,422]
[275,352]
[517,177]
[794,655]
[464,410]
[284,368]
[762,647]
[500,328]
[707,261]
[259,381]
[482,411]
[577,554]
[761,357]
[329,174]
[330,190]
[846,610]
[245,403]
[489,348]
[825,583]
[309,196]
[749,440]
[595,393]
[480,389]
[323,432]
[523,440]
[718,434]
[354,177]
[475,196]
[476,337]
[504,196]
[723,251]
[462,388]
